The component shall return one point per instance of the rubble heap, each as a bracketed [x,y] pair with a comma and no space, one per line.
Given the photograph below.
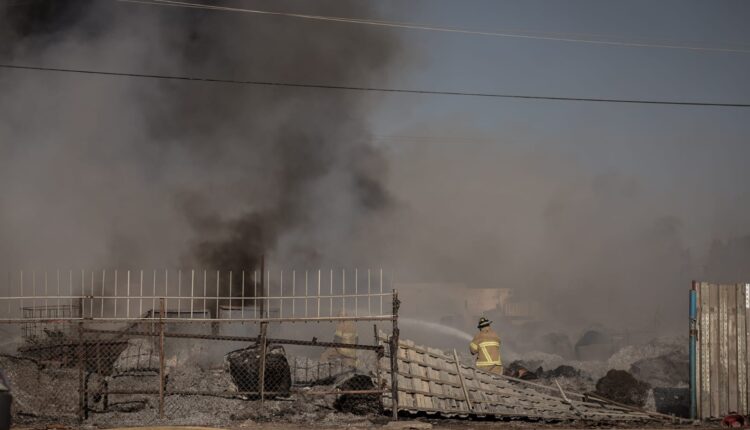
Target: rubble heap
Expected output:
[661,364]
[620,386]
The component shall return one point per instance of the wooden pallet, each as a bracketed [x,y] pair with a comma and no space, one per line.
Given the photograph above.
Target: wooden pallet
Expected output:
[429,381]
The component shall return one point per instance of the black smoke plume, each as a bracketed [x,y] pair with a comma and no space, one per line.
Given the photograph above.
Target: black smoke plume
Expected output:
[205,175]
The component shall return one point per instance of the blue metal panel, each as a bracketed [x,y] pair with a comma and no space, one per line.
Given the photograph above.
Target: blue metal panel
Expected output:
[693,336]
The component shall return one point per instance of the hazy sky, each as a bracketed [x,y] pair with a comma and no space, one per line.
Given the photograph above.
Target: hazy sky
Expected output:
[601,211]
[696,154]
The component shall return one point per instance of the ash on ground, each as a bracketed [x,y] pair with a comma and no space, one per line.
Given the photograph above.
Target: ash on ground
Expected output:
[48,392]
[656,373]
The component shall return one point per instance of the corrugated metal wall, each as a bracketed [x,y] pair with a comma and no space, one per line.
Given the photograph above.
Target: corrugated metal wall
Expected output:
[721,349]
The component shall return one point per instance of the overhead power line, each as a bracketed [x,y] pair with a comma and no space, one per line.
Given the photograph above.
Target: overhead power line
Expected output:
[590,39]
[366,89]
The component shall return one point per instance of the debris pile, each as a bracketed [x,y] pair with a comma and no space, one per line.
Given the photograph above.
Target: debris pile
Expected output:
[245,365]
[668,370]
[138,355]
[620,386]
[661,364]
[626,356]
[214,399]
[33,399]
[190,377]
[358,404]
[672,401]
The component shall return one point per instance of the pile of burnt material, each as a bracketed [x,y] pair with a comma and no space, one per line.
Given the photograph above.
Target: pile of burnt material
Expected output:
[310,372]
[620,386]
[245,369]
[672,401]
[669,375]
[519,369]
[359,401]
[41,391]
[668,370]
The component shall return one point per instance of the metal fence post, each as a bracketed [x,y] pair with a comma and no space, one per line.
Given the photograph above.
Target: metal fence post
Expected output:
[161,358]
[262,371]
[380,353]
[394,357]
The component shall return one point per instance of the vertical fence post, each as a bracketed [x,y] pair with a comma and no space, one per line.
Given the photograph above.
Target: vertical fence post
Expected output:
[394,356]
[692,356]
[380,354]
[262,371]
[81,382]
[262,286]
[161,358]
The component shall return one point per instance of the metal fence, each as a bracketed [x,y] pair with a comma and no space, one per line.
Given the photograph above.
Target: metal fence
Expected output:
[130,352]
[125,295]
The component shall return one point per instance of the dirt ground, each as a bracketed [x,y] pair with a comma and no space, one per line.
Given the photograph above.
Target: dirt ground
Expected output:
[382,423]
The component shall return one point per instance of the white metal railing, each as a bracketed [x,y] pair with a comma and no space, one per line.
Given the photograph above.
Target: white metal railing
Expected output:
[197,295]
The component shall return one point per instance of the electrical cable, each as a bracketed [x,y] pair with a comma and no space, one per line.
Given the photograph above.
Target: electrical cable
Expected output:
[369,89]
[416,26]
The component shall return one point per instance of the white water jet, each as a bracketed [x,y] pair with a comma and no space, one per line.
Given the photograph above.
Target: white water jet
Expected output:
[441,328]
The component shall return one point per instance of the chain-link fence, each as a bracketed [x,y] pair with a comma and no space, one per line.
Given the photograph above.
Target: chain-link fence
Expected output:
[159,372]
[208,368]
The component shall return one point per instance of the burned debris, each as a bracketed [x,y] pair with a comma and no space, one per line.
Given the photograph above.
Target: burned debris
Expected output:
[245,367]
[181,364]
[622,387]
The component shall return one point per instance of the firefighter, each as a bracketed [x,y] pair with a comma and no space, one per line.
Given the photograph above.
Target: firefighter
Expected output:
[486,346]
[346,332]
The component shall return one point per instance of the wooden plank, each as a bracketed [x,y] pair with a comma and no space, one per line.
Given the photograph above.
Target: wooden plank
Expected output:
[741,352]
[426,386]
[723,352]
[461,380]
[732,397]
[714,358]
[746,339]
[705,333]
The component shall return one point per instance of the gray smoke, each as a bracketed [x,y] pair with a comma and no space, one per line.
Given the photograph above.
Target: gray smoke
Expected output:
[131,172]
[609,248]
[137,173]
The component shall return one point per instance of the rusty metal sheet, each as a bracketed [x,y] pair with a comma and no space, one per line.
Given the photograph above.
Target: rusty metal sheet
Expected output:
[698,348]
[731,317]
[741,350]
[715,341]
[704,335]
[723,353]
[722,350]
